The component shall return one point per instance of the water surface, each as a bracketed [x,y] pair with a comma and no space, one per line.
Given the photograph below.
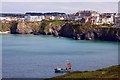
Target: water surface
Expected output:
[35,56]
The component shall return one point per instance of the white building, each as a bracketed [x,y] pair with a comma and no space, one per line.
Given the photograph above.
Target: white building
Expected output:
[117,20]
[52,18]
[2,18]
[108,18]
[48,17]
[87,13]
[9,18]
[58,17]
[90,16]
[34,18]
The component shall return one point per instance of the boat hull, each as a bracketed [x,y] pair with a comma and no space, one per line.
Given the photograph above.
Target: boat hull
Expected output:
[62,71]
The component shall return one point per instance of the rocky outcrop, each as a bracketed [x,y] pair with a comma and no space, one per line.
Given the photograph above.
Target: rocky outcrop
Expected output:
[6,25]
[13,28]
[70,30]
[76,32]
[65,29]
[28,27]
[21,27]
[108,34]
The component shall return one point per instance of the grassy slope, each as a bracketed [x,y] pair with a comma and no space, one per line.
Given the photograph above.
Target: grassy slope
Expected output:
[110,72]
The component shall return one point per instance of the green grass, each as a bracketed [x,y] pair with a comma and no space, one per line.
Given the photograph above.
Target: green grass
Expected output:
[51,23]
[110,72]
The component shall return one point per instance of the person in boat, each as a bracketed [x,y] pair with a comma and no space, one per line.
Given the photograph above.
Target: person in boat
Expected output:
[68,66]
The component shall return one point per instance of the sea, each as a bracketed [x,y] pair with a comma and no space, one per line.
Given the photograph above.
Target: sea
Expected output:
[36,56]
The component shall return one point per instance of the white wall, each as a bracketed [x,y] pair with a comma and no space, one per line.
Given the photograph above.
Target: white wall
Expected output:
[34,18]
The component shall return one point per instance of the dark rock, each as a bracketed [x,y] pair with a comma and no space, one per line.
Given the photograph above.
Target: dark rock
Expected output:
[76,36]
[36,33]
[43,32]
[89,35]
[68,30]
[49,33]
[54,32]
[13,28]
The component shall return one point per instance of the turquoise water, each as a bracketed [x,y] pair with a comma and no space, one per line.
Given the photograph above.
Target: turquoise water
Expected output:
[35,56]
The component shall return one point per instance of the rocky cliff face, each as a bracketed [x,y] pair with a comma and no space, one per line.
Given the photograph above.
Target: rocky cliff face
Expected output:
[64,29]
[77,31]
[44,27]
[5,25]
[70,30]
[50,27]
[111,34]
[28,27]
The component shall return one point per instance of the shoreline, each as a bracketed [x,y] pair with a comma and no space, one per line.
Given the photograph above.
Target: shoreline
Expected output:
[70,29]
[5,32]
[8,32]
[109,72]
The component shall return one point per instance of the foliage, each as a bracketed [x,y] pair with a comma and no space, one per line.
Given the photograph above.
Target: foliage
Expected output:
[107,25]
[4,27]
[37,28]
[110,72]
[51,23]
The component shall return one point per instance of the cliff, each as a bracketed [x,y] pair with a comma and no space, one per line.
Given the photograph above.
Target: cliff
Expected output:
[71,29]
[90,32]
[28,27]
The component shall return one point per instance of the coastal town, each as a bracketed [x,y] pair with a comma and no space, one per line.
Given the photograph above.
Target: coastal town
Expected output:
[82,25]
[57,40]
[85,16]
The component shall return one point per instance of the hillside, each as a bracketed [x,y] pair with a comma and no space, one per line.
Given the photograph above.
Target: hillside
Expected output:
[109,73]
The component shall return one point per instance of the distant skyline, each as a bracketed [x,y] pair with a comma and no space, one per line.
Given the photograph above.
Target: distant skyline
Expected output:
[66,7]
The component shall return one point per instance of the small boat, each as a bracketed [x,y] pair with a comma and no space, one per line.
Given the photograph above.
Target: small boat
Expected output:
[62,71]
[59,69]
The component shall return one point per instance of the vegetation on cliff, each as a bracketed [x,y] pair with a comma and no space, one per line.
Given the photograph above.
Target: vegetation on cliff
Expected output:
[46,25]
[90,32]
[105,73]
[5,26]
[71,29]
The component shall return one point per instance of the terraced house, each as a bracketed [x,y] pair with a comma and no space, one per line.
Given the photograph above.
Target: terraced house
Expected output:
[34,17]
[44,16]
[90,16]
[108,18]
